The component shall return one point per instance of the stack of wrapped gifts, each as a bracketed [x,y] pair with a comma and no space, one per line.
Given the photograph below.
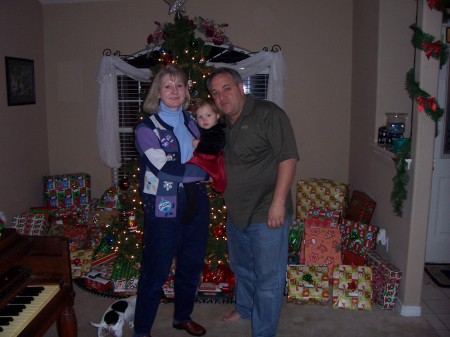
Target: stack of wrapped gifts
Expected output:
[337,250]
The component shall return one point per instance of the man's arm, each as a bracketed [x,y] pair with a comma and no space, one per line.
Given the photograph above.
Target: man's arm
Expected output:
[285,177]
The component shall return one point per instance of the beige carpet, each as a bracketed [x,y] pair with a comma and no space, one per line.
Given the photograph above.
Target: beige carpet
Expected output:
[296,320]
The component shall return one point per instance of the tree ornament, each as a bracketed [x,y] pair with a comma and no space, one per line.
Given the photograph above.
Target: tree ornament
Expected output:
[124,184]
[218,232]
[176,5]
[109,239]
[190,84]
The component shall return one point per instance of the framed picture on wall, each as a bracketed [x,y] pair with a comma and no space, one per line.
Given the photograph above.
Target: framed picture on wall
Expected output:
[20,83]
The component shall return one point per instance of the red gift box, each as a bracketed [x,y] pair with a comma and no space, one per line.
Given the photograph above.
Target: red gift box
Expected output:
[361,207]
[324,213]
[98,283]
[386,280]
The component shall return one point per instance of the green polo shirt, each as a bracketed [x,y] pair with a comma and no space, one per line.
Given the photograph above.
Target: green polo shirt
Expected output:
[257,142]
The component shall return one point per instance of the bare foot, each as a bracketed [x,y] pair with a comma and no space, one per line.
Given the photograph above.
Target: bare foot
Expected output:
[232,316]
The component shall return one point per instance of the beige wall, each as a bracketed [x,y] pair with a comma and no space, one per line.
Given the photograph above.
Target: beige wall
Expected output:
[383,55]
[24,155]
[326,45]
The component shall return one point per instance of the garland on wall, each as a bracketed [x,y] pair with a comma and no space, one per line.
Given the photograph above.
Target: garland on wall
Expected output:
[426,103]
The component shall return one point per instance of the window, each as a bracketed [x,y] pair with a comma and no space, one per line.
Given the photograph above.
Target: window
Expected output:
[131,94]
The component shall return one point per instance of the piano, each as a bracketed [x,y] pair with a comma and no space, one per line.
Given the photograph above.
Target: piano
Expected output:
[35,286]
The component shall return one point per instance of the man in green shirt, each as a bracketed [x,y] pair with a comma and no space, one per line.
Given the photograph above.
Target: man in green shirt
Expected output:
[260,162]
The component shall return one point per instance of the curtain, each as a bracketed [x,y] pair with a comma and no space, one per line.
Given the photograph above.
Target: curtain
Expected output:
[107,114]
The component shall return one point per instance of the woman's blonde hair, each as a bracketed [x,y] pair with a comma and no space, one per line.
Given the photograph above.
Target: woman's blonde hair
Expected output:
[151,102]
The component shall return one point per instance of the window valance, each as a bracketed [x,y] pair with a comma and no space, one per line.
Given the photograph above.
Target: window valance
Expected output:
[107,114]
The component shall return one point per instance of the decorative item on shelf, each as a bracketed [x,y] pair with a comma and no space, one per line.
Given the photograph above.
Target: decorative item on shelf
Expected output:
[395,126]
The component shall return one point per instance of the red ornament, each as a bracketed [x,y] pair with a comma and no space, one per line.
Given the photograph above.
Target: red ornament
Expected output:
[218,232]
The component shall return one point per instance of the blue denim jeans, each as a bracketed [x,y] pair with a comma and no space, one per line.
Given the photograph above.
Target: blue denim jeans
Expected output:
[164,239]
[258,257]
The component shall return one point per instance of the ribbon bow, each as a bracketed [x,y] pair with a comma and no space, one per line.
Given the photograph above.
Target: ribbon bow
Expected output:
[426,103]
[352,286]
[307,278]
[432,47]
[435,4]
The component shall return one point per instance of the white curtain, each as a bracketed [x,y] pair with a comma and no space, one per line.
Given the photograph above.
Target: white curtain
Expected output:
[107,115]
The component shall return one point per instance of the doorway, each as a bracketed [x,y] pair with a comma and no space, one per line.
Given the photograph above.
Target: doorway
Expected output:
[438,238]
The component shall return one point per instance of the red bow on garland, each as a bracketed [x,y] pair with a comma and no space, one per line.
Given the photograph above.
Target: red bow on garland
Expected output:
[435,4]
[426,103]
[430,48]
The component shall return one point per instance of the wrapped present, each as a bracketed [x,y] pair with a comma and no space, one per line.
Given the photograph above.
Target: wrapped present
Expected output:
[77,235]
[96,233]
[209,289]
[125,276]
[81,262]
[351,258]
[65,190]
[98,283]
[308,284]
[358,237]
[102,216]
[49,212]
[110,199]
[361,207]
[320,193]
[352,287]
[31,224]
[385,282]
[325,214]
[103,270]
[295,241]
[321,246]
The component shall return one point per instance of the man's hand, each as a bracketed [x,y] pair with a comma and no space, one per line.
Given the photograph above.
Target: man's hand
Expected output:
[276,215]
[195,143]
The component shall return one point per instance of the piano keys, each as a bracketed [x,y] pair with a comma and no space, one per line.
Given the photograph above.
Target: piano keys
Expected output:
[22,317]
[28,263]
